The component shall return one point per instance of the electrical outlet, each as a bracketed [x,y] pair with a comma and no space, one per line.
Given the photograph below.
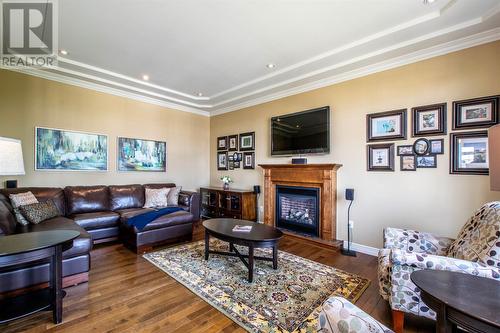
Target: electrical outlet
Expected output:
[261,209]
[351,224]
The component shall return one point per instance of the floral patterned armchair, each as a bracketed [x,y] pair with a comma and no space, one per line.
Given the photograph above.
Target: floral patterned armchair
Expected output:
[475,251]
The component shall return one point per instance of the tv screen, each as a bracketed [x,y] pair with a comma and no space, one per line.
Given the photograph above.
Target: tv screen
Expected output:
[306,132]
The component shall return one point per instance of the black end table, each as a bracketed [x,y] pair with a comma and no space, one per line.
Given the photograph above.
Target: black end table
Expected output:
[261,236]
[28,248]
[469,301]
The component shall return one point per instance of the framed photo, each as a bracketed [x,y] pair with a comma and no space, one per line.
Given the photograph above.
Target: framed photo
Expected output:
[141,155]
[405,150]
[436,146]
[469,153]
[380,157]
[477,112]
[421,147]
[249,160]
[236,164]
[222,161]
[389,125]
[65,150]
[222,143]
[429,120]
[408,163]
[428,161]
[247,141]
[230,165]
[233,142]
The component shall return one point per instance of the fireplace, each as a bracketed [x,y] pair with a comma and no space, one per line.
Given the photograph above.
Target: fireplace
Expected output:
[297,209]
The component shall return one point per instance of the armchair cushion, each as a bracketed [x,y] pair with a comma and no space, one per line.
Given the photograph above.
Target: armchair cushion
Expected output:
[415,241]
[338,315]
[384,273]
[479,239]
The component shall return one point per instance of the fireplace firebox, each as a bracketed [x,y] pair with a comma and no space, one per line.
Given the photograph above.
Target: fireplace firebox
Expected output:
[297,209]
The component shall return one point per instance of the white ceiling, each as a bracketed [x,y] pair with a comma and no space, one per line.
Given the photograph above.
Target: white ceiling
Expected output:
[221,47]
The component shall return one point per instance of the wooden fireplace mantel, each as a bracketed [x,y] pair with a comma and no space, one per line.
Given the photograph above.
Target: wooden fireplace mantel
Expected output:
[321,176]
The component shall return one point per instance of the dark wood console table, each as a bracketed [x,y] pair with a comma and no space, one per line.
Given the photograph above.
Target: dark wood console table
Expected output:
[27,248]
[235,204]
[464,300]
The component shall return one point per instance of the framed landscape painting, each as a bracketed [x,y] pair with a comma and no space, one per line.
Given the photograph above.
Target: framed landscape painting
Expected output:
[142,155]
[477,112]
[389,125]
[64,150]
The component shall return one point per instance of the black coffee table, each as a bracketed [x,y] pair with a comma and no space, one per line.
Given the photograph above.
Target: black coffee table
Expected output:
[261,236]
[464,300]
[27,248]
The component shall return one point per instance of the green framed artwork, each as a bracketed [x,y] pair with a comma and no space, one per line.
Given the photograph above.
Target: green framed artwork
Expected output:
[65,150]
[142,155]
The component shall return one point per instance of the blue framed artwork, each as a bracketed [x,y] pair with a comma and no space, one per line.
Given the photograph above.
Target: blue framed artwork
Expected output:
[141,155]
[65,150]
[386,126]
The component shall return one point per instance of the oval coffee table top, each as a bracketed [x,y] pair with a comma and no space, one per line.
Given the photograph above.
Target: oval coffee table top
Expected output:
[32,241]
[259,232]
[476,296]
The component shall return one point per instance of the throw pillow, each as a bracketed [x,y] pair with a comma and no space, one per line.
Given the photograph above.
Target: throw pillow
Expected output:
[479,239]
[39,212]
[173,196]
[21,199]
[156,197]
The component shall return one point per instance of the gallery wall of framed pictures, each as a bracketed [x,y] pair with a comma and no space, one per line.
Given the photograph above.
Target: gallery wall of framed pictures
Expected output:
[468,148]
[236,151]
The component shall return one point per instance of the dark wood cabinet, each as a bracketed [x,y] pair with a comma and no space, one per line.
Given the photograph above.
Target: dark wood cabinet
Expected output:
[237,204]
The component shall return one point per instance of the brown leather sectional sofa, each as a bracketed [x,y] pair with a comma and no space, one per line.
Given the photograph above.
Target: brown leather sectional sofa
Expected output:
[100,214]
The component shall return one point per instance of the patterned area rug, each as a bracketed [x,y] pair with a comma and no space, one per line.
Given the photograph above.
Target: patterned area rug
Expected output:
[282,300]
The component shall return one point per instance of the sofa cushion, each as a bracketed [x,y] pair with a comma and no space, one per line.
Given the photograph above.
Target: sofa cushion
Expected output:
[86,199]
[20,199]
[81,245]
[42,194]
[40,211]
[96,220]
[156,197]
[479,239]
[180,217]
[173,196]
[126,196]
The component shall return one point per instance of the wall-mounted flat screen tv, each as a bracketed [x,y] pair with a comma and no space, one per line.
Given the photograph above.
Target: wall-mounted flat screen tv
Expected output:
[306,132]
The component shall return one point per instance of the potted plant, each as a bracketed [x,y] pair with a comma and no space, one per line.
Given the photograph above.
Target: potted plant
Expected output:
[226,180]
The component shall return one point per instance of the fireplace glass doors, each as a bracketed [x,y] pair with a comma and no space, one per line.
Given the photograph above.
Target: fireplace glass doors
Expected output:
[297,209]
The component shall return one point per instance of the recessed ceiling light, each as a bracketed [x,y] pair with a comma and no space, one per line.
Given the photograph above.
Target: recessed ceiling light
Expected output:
[270,66]
[63,52]
[428,2]
[199,94]
[145,77]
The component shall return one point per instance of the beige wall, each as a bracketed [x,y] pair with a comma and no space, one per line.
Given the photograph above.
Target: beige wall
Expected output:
[429,199]
[26,102]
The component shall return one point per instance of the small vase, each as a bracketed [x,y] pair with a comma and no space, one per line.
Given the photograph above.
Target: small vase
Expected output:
[226,186]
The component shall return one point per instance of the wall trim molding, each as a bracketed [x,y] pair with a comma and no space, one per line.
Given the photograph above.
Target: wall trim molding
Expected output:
[372,251]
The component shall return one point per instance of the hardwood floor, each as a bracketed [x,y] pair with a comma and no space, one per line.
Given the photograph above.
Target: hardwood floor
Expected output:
[127,294]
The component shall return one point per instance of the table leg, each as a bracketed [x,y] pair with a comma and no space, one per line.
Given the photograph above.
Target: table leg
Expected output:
[275,256]
[56,284]
[442,323]
[231,247]
[250,263]
[207,243]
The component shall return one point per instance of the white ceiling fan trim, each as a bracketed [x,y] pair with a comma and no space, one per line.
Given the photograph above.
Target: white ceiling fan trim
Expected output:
[109,90]
[128,78]
[453,46]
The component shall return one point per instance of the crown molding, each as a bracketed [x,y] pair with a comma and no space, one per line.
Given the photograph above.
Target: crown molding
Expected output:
[434,51]
[109,90]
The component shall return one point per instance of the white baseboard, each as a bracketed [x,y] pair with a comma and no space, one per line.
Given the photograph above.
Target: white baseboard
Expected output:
[372,251]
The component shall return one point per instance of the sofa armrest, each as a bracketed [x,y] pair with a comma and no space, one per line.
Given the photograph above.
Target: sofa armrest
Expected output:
[429,261]
[190,200]
[415,241]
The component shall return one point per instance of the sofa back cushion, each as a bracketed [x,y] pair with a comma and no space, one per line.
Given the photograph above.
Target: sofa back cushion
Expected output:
[479,239]
[7,219]
[86,199]
[159,185]
[126,196]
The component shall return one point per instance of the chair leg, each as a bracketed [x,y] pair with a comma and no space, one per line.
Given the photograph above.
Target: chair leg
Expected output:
[398,319]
